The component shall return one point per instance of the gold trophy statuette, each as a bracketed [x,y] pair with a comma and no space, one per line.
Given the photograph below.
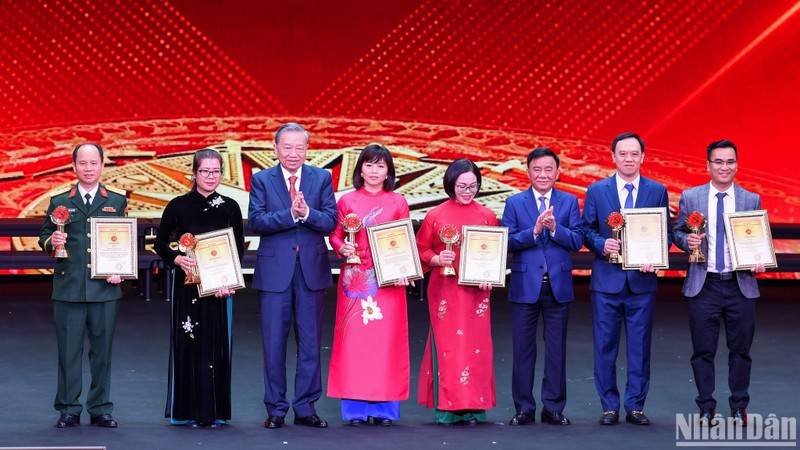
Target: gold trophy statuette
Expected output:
[449,235]
[186,244]
[351,224]
[696,222]
[60,217]
[616,222]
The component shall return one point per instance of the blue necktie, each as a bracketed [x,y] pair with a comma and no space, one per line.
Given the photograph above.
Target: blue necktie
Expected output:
[720,246]
[629,200]
[542,209]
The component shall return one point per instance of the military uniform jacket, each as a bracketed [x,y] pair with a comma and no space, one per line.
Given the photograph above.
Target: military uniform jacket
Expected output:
[72,276]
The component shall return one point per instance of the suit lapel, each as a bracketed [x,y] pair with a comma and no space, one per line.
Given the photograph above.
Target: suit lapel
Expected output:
[644,192]
[555,200]
[531,205]
[741,201]
[306,180]
[611,193]
[702,208]
[279,186]
[78,201]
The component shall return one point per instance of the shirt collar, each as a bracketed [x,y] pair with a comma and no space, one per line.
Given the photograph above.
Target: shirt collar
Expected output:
[621,183]
[92,193]
[286,173]
[548,195]
[713,191]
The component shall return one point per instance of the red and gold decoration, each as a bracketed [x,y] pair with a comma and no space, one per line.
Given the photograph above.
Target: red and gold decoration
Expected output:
[696,222]
[450,236]
[186,244]
[351,224]
[60,217]
[616,222]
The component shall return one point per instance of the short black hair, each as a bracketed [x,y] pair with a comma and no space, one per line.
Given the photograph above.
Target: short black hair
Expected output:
[624,136]
[371,154]
[541,152]
[724,143]
[454,170]
[97,146]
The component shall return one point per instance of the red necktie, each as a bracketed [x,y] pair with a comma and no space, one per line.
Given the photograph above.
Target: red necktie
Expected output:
[292,190]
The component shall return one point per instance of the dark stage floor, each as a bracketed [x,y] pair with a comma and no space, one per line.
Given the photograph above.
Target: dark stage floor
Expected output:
[28,366]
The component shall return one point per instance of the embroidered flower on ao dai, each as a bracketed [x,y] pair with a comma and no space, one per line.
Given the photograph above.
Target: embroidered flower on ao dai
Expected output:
[188,326]
[371,310]
[482,307]
[358,283]
[442,309]
[465,375]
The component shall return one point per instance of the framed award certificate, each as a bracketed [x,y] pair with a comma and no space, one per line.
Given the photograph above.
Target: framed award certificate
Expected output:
[644,238]
[749,239]
[218,262]
[113,247]
[484,251]
[394,251]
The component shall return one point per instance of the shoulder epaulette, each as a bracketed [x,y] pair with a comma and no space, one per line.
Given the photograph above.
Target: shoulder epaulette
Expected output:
[115,190]
[63,190]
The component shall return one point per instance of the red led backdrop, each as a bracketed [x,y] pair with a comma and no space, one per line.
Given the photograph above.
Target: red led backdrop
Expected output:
[433,79]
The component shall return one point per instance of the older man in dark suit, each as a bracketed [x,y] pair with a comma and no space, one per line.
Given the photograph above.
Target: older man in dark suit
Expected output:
[544,228]
[80,303]
[714,290]
[293,208]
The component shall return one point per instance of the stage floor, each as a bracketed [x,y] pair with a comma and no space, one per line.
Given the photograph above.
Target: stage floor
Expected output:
[28,367]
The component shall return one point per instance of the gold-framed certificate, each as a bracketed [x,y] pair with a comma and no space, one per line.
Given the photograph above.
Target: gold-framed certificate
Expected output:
[484,250]
[644,238]
[218,262]
[113,247]
[394,251]
[749,239]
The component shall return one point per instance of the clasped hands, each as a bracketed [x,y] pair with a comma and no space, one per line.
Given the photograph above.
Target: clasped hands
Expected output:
[299,206]
[694,241]
[58,239]
[545,220]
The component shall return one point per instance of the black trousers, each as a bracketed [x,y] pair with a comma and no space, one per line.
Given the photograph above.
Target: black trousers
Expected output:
[720,301]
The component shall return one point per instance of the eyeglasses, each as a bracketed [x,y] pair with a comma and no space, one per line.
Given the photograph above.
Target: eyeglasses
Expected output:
[467,187]
[720,162]
[205,173]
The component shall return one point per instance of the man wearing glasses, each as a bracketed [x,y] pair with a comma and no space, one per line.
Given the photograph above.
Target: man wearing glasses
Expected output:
[543,229]
[713,289]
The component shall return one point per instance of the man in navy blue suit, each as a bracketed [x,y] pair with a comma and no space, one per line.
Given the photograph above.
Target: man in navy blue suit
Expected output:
[292,208]
[621,296]
[543,229]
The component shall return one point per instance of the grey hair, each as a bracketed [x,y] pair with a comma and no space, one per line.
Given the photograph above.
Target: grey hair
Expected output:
[291,126]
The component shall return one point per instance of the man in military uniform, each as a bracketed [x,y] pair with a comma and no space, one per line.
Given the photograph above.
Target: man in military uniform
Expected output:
[82,304]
